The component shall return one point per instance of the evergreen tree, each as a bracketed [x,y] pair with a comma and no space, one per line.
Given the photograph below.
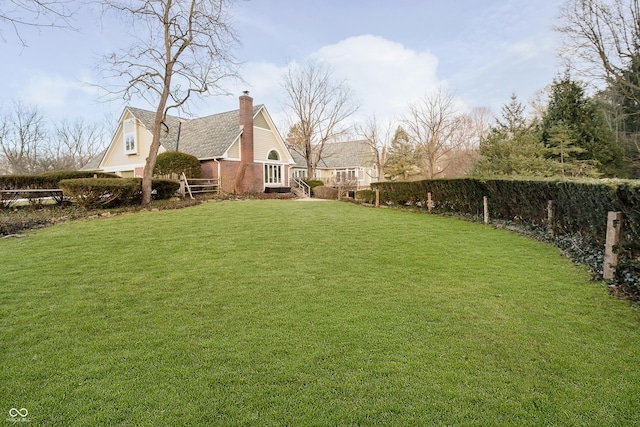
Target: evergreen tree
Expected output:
[585,120]
[513,147]
[563,148]
[622,111]
[402,160]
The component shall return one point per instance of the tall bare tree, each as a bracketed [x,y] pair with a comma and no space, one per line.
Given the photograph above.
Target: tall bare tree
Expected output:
[379,137]
[179,48]
[601,40]
[319,108]
[433,127]
[20,14]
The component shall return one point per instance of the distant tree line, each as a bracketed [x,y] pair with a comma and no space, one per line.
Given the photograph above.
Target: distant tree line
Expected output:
[29,144]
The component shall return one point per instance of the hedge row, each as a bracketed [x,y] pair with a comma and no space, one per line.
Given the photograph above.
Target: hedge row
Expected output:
[47,180]
[91,193]
[366,196]
[580,210]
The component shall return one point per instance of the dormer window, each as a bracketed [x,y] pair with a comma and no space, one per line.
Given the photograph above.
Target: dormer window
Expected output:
[130,140]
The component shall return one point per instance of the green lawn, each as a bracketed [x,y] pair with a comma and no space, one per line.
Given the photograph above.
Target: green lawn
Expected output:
[290,313]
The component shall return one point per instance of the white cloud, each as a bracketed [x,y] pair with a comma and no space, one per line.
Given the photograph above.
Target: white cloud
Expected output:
[385,75]
[47,91]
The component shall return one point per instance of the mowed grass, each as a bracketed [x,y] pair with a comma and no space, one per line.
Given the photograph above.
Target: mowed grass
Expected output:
[307,314]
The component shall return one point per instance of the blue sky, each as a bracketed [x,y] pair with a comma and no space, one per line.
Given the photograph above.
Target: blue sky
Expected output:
[390,53]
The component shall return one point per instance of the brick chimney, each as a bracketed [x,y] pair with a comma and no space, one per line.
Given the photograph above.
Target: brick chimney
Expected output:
[246,124]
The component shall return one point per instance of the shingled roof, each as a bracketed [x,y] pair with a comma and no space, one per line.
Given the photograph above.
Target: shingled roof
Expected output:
[349,154]
[205,137]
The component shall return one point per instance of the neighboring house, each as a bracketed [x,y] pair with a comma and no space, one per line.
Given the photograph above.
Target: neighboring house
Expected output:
[241,148]
[347,164]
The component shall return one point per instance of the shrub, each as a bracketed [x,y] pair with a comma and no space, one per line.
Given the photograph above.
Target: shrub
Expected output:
[91,193]
[175,162]
[164,188]
[313,183]
[323,192]
[366,196]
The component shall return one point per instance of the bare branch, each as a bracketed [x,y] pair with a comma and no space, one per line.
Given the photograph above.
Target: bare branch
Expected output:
[318,107]
[601,40]
[19,14]
[379,137]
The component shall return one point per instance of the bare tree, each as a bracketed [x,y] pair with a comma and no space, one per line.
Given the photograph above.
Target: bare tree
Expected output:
[601,40]
[180,48]
[469,131]
[433,127]
[28,144]
[379,138]
[22,137]
[74,143]
[319,108]
[18,14]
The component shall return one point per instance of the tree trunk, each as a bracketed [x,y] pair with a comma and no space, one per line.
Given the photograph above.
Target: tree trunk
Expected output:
[150,163]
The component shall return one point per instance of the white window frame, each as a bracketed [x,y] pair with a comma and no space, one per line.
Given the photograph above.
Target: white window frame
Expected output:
[276,153]
[129,136]
[273,174]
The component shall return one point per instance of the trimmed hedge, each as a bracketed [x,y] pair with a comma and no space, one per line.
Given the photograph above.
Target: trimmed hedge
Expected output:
[580,206]
[366,196]
[323,192]
[48,180]
[580,212]
[175,162]
[92,193]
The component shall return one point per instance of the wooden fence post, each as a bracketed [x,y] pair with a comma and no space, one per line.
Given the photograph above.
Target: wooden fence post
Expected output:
[613,244]
[182,189]
[485,202]
[377,197]
[429,201]
[550,219]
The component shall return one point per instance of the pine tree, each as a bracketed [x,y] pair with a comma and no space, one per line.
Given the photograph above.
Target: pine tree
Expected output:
[402,160]
[569,106]
[563,148]
[513,147]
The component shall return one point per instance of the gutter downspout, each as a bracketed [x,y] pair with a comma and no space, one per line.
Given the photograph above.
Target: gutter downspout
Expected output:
[178,138]
[219,178]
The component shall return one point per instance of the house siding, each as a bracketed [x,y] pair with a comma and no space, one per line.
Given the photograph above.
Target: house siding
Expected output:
[115,160]
[234,150]
[260,121]
[264,141]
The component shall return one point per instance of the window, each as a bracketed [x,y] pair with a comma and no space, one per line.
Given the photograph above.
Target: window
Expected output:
[272,174]
[273,155]
[129,131]
[374,172]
